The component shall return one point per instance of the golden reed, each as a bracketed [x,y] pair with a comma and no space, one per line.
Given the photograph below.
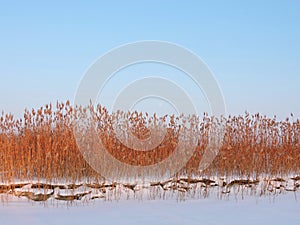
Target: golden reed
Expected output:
[41,145]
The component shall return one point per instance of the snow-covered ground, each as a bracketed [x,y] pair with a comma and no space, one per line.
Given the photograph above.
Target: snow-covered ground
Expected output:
[282,209]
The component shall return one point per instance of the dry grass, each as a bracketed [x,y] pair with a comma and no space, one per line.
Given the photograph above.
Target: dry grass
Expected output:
[41,146]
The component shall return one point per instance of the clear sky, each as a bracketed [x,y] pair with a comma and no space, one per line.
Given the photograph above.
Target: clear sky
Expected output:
[252,47]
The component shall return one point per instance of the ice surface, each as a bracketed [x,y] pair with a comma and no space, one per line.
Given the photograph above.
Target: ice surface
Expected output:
[282,209]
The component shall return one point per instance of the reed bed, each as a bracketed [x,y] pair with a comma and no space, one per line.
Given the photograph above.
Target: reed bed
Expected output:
[41,146]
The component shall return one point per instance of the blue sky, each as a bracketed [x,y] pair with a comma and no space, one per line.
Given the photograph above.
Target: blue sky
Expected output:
[252,47]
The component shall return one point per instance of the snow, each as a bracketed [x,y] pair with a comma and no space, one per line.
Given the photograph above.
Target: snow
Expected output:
[278,209]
